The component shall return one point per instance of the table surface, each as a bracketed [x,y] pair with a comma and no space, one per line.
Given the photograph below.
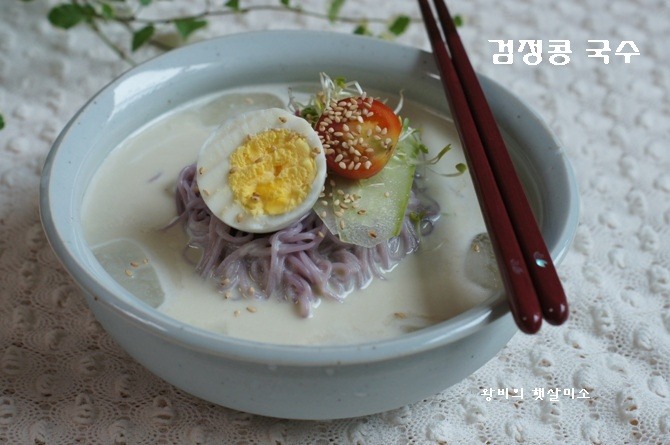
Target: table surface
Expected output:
[63,380]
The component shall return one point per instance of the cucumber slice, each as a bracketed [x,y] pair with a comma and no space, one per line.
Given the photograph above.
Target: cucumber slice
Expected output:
[369,211]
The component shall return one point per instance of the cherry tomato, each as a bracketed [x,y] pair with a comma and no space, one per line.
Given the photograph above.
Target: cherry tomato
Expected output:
[359,135]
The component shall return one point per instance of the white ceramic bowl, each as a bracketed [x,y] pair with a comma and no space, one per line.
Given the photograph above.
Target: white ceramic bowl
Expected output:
[303,382]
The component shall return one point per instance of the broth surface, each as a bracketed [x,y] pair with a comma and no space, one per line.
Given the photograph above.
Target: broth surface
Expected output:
[132,197]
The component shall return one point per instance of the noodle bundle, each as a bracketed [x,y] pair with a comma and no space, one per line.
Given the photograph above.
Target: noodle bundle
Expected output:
[300,263]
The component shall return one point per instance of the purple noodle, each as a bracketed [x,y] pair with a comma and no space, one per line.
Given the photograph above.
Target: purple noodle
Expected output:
[300,263]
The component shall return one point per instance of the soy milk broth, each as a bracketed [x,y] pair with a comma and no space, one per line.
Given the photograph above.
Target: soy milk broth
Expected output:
[132,197]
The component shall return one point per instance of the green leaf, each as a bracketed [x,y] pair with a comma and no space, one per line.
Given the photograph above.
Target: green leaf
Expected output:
[340,82]
[142,36]
[107,11]
[145,2]
[66,15]
[362,29]
[399,25]
[233,4]
[334,9]
[461,168]
[285,3]
[187,26]
[2,122]
[458,20]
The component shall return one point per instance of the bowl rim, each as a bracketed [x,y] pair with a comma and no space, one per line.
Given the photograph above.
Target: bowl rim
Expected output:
[152,320]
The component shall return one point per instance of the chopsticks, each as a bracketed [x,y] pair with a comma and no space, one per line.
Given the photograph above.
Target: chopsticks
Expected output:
[532,285]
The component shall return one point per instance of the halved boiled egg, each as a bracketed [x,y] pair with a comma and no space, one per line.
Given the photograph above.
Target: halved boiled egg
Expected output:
[261,171]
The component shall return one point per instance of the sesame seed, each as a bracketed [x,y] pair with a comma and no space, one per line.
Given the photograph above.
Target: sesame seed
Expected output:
[323,214]
[236,313]
[342,165]
[201,170]
[339,213]
[227,295]
[225,281]
[129,273]
[400,315]
[362,212]
[342,224]
[239,217]
[367,165]
[372,234]
[321,234]
[387,194]
[251,309]
[134,264]
[338,158]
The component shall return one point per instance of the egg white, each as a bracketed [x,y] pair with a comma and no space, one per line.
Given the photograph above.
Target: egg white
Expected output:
[213,169]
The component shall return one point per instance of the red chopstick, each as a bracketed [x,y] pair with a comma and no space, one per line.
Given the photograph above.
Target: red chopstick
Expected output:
[528,273]
[541,267]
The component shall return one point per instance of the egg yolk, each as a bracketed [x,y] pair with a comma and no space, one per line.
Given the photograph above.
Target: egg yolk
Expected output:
[272,172]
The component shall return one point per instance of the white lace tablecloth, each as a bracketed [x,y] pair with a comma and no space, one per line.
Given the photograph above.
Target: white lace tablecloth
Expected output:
[64,381]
